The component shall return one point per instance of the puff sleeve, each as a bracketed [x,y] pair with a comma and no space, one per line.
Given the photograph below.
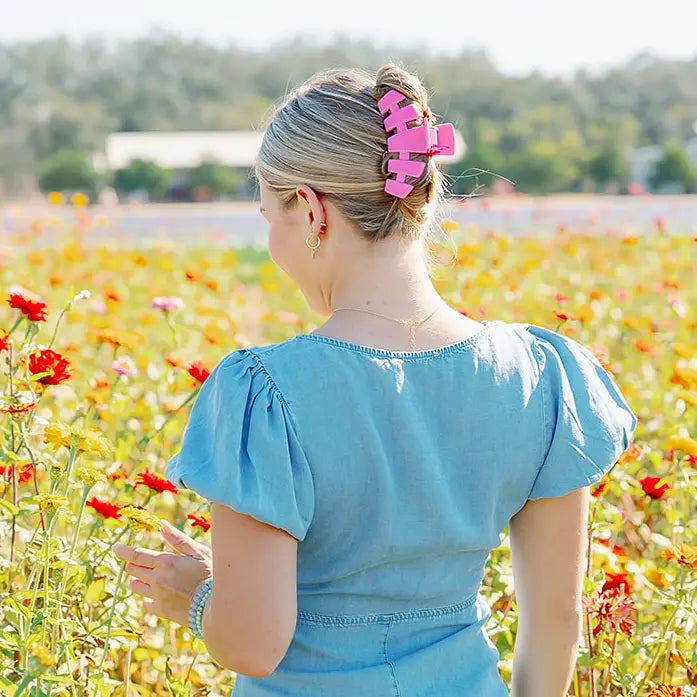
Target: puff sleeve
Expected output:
[240,447]
[587,422]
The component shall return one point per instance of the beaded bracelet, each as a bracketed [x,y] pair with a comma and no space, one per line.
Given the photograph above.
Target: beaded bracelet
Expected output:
[197,604]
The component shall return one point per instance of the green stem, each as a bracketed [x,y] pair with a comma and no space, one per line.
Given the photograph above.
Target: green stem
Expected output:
[681,575]
[16,324]
[26,680]
[72,455]
[147,438]
[66,573]
[113,604]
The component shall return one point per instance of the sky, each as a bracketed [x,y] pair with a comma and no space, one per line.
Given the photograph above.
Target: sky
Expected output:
[555,37]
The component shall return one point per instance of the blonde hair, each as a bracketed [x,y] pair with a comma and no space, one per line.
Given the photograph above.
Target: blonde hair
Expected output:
[329,134]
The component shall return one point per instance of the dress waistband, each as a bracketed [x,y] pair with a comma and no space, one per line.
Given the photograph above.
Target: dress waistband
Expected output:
[306,617]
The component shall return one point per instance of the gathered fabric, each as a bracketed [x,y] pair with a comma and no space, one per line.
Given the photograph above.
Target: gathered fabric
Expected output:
[397,472]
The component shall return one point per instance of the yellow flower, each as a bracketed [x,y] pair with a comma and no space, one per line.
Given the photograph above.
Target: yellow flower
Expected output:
[44,655]
[90,475]
[55,198]
[689,396]
[449,225]
[50,502]
[657,577]
[84,440]
[684,350]
[57,434]
[685,443]
[682,553]
[78,199]
[140,518]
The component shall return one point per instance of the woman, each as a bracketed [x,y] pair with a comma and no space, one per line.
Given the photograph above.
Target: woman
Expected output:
[360,475]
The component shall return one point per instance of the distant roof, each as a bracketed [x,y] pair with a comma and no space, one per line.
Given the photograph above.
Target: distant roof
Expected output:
[182,149]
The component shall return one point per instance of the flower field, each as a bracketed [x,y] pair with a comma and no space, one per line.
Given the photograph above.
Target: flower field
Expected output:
[104,347]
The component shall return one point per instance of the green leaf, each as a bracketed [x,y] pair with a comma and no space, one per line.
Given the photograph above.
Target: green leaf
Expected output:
[95,590]
[9,507]
[6,687]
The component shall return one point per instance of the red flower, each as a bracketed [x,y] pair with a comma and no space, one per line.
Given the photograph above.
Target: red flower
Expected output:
[618,580]
[4,341]
[47,359]
[600,488]
[612,606]
[155,481]
[106,509]
[663,689]
[203,520]
[651,488]
[563,315]
[198,371]
[33,310]
[616,549]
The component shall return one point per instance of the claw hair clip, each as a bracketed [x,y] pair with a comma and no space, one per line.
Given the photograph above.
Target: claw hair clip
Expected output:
[427,139]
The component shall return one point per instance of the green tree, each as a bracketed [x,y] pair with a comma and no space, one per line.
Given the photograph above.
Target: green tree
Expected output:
[213,179]
[609,164]
[540,168]
[142,175]
[69,170]
[674,167]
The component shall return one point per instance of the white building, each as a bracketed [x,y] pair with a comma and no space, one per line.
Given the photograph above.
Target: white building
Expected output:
[643,160]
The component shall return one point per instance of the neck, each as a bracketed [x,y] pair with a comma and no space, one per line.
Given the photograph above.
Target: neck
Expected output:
[375,282]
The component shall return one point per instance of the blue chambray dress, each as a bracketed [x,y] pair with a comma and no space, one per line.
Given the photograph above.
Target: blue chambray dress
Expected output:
[397,471]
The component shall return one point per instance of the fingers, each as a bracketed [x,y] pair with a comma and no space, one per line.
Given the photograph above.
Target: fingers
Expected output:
[142,557]
[145,573]
[142,588]
[180,541]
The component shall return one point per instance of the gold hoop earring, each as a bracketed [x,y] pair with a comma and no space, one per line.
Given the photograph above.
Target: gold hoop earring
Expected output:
[311,246]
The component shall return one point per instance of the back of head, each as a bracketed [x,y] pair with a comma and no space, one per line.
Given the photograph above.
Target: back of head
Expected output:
[330,135]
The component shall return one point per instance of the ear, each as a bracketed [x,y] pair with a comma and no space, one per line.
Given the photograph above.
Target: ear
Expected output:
[316,212]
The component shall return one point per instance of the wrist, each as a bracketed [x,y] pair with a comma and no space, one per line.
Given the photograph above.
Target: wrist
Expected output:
[197,606]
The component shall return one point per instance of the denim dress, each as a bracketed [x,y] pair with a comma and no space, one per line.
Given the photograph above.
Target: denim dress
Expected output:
[397,472]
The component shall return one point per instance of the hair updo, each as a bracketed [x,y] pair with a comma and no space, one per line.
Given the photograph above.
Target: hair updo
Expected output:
[329,134]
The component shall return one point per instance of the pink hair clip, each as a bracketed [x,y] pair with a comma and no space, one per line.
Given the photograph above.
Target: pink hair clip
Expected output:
[431,140]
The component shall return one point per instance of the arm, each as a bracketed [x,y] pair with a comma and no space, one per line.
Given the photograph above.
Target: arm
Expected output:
[249,619]
[548,550]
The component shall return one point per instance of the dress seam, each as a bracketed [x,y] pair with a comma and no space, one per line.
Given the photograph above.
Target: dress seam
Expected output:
[541,378]
[286,405]
[304,616]
[395,682]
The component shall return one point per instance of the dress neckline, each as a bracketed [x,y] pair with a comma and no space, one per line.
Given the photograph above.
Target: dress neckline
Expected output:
[387,353]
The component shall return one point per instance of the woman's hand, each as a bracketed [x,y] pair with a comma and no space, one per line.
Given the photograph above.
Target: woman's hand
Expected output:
[168,581]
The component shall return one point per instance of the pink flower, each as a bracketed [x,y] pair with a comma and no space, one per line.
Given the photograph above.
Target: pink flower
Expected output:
[98,307]
[124,366]
[167,303]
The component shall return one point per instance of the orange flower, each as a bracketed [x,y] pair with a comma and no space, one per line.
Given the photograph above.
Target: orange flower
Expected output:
[682,553]
[4,341]
[17,407]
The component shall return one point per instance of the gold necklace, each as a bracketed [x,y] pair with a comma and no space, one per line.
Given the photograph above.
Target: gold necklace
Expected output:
[412,324]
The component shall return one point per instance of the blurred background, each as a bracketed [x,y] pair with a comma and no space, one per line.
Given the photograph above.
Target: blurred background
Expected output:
[162,102]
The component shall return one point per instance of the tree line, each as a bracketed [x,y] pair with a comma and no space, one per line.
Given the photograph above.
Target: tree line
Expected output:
[59,99]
